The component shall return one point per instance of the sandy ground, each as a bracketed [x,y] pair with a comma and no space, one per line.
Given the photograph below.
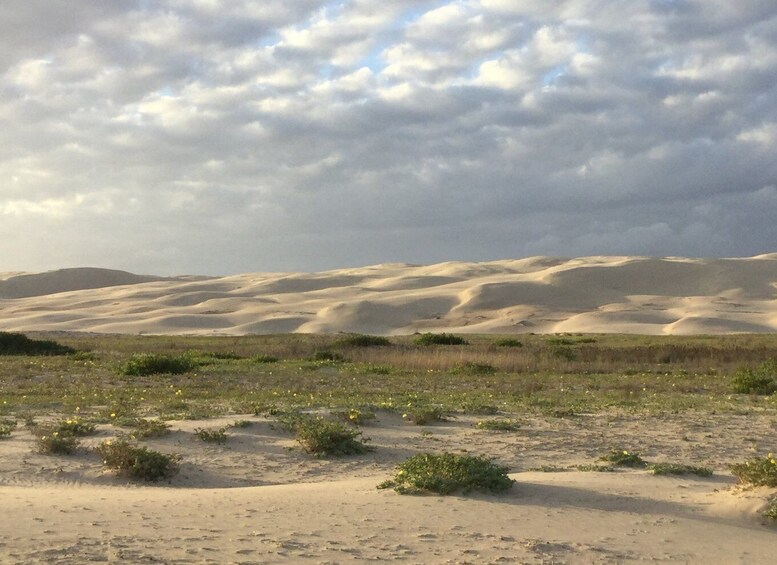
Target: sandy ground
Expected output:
[539,294]
[260,499]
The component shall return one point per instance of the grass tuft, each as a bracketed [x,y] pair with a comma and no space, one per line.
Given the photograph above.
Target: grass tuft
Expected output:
[422,415]
[448,473]
[623,458]
[211,435]
[678,469]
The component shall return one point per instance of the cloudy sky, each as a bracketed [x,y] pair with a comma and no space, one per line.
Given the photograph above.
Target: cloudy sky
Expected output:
[216,137]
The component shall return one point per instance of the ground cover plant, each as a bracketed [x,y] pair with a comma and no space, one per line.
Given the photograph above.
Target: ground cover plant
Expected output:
[7,425]
[757,471]
[448,473]
[50,442]
[149,428]
[211,435]
[360,340]
[678,469]
[623,458]
[355,416]
[321,436]
[423,415]
[139,463]
[759,380]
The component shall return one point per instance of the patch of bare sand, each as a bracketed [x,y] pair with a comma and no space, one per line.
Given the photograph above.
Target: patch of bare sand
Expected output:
[260,499]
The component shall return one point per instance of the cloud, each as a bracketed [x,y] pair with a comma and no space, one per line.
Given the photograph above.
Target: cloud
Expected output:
[216,137]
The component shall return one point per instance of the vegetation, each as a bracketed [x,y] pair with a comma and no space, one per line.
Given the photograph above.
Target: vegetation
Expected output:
[359,340]
[327,356]
[75,427]
[440,339]
[448,473]
[135,462]
[51,442]
[355,416]
[7,425]
[211,435]
[157,364]
[12,343]
[508,342]
[758,471]
[144,429]
[423,415]
[759,380]
[624,458]
[678,469]
[321,436]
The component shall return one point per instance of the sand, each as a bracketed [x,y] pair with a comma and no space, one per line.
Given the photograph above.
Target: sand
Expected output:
[260,499]
[540,294]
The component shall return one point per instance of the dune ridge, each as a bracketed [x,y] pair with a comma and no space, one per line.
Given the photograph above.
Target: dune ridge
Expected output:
[643,295]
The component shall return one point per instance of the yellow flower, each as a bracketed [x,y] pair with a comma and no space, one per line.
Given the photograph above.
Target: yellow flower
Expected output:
[113,414]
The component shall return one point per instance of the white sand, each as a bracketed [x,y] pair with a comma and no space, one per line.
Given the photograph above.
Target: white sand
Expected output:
[538,294]
[260,499]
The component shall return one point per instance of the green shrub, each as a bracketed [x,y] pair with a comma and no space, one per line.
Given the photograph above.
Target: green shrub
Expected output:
[508,342]
[355,416]
[678,469]
[448,473]
[158,364]
[136,462]
[595,468]
[51,442]
[758,471]
[75,427]
[422,415]
[760,380]
[211,435]
[241,424]
[12,343]
[359,340]
[499,425]
[149,428]
[623,458]
[771,509]
[322,437]
[479,409]
[6,427]
[440,339]
[327,356]
[264,359]
[472,368]
[378,369]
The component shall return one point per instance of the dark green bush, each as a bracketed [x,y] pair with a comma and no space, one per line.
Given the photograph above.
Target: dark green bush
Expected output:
[623,458]
[149,428]
[264,359]
[322,437]
[50,442]
[678,469]
[448,473]
[760,380]
[758,471]
[137,462]
[211,435]
[472,368]
[6,427]
[12,343]
[158,364]
[327,356]
[440,339]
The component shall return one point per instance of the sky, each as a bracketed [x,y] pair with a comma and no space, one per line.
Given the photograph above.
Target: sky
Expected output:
[219,137]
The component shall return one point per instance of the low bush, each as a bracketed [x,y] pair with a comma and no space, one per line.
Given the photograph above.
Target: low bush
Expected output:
[499,425]
[12,343]
[6,427]
[50,442]
[264,359]
[144,429]
[211,435]
[157,364]
[771,509]
[327,356]
[322,437]
[241,424]
[594,468]
[758,471]
[422,415]
[440,339]
[623,458]
[678,469]
[758,380]
[359,340]
[137,463]
[355,416]
[76,427]
[479,409]
[448,473]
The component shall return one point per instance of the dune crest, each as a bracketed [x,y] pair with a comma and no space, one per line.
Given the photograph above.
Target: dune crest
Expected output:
[537,294]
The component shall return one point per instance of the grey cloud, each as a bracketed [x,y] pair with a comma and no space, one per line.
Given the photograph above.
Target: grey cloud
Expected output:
[185,136]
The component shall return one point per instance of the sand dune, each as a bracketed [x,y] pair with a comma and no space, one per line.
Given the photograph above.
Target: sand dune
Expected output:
[537,294]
